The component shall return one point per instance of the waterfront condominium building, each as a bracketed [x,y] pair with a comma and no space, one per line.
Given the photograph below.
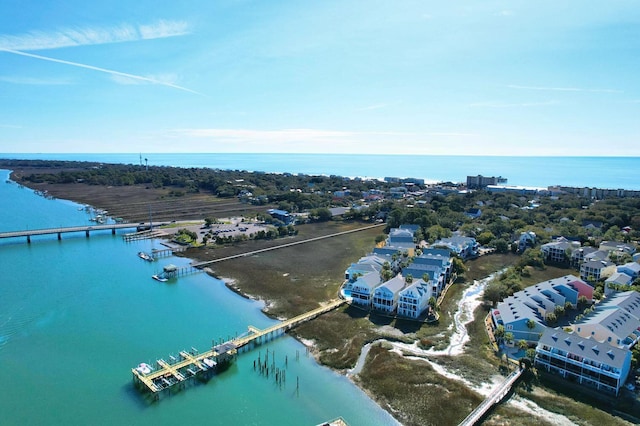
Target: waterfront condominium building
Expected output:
[583,360]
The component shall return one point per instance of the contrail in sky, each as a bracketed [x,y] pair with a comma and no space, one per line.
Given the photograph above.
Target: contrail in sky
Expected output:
[104,70]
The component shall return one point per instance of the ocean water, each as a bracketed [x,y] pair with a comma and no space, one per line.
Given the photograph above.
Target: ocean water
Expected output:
[600,172]
[76,315]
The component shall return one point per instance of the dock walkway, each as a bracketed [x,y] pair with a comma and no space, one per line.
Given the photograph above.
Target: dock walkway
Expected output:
[494,398]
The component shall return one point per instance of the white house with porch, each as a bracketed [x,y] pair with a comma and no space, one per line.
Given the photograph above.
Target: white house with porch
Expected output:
[385,296]
[363,288]
[413,300]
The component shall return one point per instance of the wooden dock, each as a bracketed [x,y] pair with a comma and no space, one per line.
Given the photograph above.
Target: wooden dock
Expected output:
[494,398]
[143,235]
[166,252]
[178,370]
[257,334]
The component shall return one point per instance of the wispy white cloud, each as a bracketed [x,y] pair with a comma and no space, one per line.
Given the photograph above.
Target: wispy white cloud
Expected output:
[311,140]
[562,89]
[505,13]
[284,135]
[9,126]
[103,70]
[84,36]
[510,105]
[35,81]
[303,135]
[153,79]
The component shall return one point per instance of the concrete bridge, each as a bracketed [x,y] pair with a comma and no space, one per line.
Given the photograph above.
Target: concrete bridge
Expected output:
[87,229]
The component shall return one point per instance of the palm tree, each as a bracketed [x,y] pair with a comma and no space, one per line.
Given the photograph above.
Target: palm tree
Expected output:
[531,353]
[531,324]
[558,310]
[432,303]
[426,277]
[522,344]
[408,279]
[567,306]
[499,333]
[508,336]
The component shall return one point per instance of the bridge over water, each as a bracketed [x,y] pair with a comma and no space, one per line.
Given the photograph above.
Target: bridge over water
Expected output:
[87,229]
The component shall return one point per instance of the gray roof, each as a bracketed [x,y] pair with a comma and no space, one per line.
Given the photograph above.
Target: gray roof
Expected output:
[627,300]
[584,251]
[412,228]
[512,310]
[620,278]
[632,266]
[436,252]
[419,286]
[585,348]
[558,245]
[430,259]
[618,321]
[617,245]
[394,285]
[596,255]
[387,251]
[597,264]
[371,280]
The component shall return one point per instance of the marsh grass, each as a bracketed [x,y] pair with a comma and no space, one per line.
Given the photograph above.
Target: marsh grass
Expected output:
[413,391]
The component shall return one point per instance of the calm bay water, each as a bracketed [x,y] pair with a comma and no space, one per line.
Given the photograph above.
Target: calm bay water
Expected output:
[77,315]
[601,172]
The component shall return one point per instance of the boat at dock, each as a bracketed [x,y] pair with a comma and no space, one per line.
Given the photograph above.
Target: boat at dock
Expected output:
[159,278]
[145,256]
[144,368]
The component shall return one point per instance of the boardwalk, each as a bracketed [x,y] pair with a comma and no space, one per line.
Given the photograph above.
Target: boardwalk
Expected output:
[283,326]
[309,240]
[28,233]
[494,398]
[188,365]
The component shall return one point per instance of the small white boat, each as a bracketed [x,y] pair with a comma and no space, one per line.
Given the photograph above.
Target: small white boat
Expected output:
[209,362]
[145,256]
[159,278]
[144,368]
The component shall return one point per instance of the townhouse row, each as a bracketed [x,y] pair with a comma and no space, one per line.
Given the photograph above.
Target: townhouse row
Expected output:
[595,264]
[594,350]
[411,281]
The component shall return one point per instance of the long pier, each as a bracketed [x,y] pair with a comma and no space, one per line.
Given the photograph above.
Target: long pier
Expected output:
[87,229]
[494,398]
[191,364]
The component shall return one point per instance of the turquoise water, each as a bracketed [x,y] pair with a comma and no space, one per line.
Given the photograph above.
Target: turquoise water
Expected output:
[601,172]
[77,315]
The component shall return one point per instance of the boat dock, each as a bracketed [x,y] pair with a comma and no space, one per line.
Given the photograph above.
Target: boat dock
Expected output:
[147,234]
[173,271]
[166,252]
[178,370]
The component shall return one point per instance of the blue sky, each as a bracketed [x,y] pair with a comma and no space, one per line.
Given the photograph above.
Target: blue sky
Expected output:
[397,77]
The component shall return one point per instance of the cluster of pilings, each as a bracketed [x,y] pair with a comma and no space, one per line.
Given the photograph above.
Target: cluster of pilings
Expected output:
[267,368]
